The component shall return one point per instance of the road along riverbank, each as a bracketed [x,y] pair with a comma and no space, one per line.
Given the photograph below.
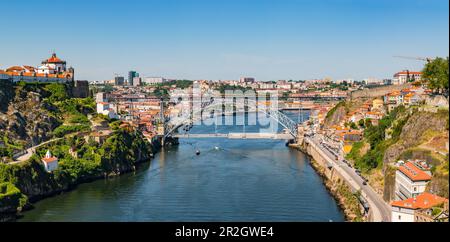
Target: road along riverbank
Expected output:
[345,196]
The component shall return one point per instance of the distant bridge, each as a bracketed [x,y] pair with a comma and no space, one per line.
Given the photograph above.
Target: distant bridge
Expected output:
[278,136]
[309,97]
[172,125]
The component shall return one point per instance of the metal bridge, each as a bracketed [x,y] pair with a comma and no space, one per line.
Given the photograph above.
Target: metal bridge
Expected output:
[189,118]
[280,136]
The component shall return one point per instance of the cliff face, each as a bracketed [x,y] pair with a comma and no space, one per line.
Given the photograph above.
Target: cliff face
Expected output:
[336,114]
[7,94]
[119,154]
[24,118]
[420,128]
[29,115]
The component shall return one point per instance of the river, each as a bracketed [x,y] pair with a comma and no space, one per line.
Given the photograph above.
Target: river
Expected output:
[231,180]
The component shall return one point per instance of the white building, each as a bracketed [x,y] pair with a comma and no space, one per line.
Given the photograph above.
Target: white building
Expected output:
[102,106]
[286,86]
[52,65]
[411,179]
[153,80]
[50,162]
[52,69]
[100,97]
[267,85]
[107,109]
[407,210]
[373,81]
[406,75]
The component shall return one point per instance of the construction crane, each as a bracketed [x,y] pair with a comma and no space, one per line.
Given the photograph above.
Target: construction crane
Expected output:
[427,59]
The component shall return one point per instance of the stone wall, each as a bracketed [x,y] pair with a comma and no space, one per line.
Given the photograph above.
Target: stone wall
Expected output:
[378,91]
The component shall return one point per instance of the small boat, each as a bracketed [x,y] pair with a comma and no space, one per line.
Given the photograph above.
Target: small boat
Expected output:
[197,152]
[216,147]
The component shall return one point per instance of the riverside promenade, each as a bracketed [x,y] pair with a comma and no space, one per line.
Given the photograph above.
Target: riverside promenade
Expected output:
[379,210]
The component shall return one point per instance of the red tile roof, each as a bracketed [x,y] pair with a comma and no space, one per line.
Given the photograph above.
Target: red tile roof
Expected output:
[49,160]
[414,173]
[54,59]
[424,200]
[410,73]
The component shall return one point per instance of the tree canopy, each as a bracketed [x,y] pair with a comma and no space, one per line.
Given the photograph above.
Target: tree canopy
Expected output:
[435,73]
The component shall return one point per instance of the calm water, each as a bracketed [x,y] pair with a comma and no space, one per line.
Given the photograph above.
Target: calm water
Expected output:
[231,180]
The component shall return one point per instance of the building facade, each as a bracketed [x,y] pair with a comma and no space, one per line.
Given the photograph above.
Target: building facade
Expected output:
[50,162]
[405,76]
[119,81]
[131,76]
[411,180]
[415,209]
[52,69]
[153,80]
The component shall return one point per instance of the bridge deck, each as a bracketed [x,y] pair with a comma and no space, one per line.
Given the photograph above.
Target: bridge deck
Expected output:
[237,136]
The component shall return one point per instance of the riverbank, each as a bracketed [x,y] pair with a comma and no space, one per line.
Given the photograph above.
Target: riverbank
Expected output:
[120,154]
[338,188]
[238,180]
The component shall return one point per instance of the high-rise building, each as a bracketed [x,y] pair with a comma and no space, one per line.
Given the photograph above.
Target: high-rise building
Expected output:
[119,81]
[131,75]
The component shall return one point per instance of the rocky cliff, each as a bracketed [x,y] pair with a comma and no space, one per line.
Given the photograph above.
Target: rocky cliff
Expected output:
[420,129]
[29,115]
[25,120]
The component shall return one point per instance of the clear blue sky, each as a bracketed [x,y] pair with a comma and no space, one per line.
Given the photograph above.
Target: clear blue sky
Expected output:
[226,39]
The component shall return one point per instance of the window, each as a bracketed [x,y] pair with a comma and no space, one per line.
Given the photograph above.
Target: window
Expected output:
[415,189]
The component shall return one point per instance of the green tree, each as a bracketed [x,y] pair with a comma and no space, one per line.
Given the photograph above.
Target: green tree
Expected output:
[435,73]
[57,91]
[361,123]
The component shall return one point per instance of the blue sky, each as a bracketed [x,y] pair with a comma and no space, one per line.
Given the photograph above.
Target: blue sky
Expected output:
[226,39]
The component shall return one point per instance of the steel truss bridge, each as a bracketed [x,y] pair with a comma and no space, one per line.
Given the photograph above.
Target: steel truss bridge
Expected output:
[190,117]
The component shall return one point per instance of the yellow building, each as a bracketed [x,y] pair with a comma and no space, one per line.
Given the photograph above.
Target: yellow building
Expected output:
[377,104]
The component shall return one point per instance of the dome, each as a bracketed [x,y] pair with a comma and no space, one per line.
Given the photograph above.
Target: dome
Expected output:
[53,59]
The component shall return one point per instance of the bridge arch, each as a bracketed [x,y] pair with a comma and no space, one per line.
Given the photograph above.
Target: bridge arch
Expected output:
[274,114]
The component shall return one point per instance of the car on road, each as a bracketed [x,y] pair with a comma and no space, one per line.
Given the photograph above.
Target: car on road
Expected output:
[364,183]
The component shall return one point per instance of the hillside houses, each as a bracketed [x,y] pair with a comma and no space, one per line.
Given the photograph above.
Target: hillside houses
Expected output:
[406,97]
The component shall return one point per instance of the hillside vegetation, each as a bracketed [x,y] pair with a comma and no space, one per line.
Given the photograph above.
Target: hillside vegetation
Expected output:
[404,133]
[39,112]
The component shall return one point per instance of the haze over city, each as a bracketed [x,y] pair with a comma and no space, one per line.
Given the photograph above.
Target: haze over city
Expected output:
[222,40]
